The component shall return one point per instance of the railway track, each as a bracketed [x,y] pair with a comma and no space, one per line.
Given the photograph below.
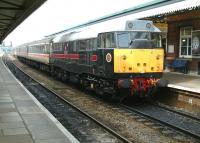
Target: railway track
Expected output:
[183,113]
[111,137]
[130,126]
[172,118]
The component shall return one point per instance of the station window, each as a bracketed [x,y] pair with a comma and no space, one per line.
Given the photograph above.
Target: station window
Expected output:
[185,42]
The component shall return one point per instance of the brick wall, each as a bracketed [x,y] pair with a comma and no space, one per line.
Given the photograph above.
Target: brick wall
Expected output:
[175,22]
[173,39]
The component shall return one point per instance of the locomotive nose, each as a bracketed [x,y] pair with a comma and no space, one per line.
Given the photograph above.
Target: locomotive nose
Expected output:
[138,60]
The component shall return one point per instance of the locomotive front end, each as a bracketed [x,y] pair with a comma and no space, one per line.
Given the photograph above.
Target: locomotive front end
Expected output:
[138,60]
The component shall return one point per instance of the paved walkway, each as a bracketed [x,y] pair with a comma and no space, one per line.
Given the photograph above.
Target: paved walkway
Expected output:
[183,81]
[23,119]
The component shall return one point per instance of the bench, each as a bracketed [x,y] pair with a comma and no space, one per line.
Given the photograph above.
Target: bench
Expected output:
[180,65]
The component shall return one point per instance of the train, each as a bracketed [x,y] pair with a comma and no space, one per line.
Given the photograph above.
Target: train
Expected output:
[105,60]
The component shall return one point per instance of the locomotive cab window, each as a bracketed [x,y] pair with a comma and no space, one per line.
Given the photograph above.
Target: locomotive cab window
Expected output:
[138,40]
[107,40]
[156,40]
[123,40]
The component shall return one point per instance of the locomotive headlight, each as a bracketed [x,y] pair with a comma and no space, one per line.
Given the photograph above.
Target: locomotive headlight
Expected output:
[158,57]
[108,57]
[124,57]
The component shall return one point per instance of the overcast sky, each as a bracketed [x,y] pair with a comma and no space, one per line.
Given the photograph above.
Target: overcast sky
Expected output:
[57,15]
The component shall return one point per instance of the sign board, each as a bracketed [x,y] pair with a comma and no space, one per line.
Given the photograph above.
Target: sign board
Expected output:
[170,49]
[196,44]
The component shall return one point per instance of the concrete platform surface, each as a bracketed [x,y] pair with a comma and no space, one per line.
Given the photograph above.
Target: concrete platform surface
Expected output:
[183,81]
[23,119]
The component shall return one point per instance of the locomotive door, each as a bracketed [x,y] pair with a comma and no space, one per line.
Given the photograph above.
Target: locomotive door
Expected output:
[106,45]
[100,52]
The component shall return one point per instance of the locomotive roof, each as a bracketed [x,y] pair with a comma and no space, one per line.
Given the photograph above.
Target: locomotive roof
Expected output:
[42,41]
[93,31]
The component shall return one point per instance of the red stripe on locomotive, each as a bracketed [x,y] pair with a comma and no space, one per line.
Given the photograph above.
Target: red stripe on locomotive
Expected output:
[93,58]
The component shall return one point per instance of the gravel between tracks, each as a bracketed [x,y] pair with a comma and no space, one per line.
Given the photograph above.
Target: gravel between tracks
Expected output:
[128,125]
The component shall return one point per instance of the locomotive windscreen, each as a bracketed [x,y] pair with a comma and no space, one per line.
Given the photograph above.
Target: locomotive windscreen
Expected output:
[138,40]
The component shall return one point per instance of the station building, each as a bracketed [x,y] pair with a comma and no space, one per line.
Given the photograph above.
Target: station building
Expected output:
[181,36]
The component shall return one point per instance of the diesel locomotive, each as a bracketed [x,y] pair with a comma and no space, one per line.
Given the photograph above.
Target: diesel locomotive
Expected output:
[106,61]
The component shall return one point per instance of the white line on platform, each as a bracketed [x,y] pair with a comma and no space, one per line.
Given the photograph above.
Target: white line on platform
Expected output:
[183,88]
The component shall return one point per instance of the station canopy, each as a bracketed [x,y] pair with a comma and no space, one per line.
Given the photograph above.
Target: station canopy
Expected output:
[172,9]
[13,12]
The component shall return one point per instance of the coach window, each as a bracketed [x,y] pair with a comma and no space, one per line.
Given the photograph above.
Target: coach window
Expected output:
[94,41]
[65,47]
[38,49]
[43,49]
[54,47]
[47,48]
[74,46]
[90,44]
[83,45]
[87,44]
[70,46]
[61,47]
[34,48]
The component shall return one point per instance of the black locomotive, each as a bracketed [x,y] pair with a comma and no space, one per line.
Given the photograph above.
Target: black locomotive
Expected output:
[103,60]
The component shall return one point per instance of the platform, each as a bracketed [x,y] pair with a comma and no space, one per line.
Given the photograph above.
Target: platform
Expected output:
[183,81]
[23,119]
